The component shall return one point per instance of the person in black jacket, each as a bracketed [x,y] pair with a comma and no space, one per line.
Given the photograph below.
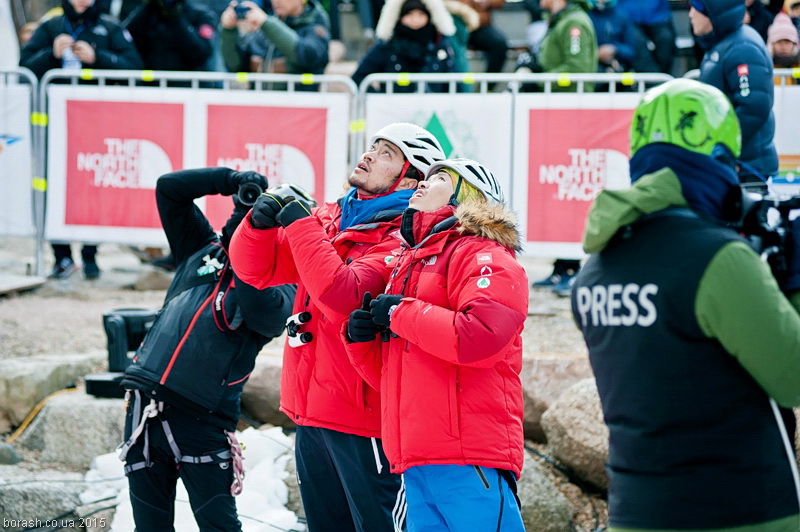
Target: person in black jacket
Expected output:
[80,38]
[736,62]
[185,383]
[173,34]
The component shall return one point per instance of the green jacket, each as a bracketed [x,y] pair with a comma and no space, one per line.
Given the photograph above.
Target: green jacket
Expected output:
[735,278]
[570,45]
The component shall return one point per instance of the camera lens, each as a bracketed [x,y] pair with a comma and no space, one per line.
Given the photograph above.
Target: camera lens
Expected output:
[248,193]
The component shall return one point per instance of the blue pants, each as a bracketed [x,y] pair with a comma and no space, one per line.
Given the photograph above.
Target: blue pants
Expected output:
[460,498]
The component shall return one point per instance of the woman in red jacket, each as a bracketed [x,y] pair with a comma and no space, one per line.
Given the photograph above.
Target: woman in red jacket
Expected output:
[448,358]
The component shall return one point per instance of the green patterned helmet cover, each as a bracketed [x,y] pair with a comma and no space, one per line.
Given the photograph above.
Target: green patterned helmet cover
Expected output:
[687,113]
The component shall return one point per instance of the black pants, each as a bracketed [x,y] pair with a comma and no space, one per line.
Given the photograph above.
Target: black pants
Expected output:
[341,487]
[61,251]
[152,488]
[493,44]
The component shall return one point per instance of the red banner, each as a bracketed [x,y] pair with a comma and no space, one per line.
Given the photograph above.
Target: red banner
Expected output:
[574,153]
[115,153]
[285,144]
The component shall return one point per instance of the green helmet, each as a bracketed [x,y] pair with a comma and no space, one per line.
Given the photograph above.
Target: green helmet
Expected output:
[687,113]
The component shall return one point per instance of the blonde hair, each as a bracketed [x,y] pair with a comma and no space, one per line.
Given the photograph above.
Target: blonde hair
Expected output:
[467,192]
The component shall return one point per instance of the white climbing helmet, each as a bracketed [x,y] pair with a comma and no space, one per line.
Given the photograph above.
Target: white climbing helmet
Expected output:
[475,174]
[418,145]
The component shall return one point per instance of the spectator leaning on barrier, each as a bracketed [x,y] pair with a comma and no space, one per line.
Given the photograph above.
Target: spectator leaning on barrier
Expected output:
[690,338]
[736,62]
[344,478]
[79,38]
[294,40]
[449,354]
[173,34]
[782,46]
[413,37]
[185,383]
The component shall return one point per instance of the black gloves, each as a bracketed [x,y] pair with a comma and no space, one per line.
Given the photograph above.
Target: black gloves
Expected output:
[236,179]
[360,327]
[527,62]
[382,307]
[293,211]
[265,211]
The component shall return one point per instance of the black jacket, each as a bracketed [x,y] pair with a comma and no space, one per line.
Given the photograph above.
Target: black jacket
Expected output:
[737,63]
[181,39]
[112,46]
[190,358]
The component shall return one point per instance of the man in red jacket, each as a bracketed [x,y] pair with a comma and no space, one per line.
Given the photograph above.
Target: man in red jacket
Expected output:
[344,477]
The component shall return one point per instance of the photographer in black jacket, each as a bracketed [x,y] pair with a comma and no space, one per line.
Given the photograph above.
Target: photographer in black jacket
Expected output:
[185,383]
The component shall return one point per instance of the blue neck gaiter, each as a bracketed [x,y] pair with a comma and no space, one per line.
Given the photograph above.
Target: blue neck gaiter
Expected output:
[705,182]
[356,211]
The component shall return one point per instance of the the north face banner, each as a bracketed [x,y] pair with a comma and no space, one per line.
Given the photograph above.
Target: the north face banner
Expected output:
[107,146]
[567,149]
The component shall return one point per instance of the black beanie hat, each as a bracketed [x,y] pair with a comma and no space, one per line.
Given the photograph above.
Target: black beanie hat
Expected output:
[411,5]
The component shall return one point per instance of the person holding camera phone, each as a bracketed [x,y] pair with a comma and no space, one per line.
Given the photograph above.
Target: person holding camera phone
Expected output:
[693,342]
[344,478]
[292,41]
[449,354]
[185,383]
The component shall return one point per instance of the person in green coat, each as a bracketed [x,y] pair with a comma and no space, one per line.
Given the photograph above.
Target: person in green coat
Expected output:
[693,343]
[569,46]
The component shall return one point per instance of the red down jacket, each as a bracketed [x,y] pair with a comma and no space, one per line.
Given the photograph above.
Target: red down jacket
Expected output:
[319,386]
[450,380]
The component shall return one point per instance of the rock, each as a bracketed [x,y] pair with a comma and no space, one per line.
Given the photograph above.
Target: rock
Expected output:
[74,427]
[153,279]
[544,379]
[261,396]
[577,434]
[8,456]
[544,508]
[43,494]
[26,381]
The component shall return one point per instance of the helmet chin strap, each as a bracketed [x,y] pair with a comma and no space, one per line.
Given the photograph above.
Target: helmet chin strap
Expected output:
[394,185]
[453,201]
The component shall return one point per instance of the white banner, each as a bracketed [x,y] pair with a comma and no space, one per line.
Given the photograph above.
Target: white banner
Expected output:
[109,145]
[787,138]
[16,161]
[477,126]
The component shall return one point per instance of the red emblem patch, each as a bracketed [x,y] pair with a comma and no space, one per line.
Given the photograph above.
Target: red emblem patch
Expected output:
[206,31]
[742,70]
[484,258]
[575,32]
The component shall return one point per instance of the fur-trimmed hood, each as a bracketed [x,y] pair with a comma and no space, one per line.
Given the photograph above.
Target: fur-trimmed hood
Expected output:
[489,220]
[390,15]
[471,18]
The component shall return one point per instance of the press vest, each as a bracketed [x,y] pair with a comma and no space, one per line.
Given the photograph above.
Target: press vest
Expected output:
[694,442]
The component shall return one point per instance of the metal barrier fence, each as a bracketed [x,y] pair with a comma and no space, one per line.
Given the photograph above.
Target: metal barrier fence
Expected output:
[507,87]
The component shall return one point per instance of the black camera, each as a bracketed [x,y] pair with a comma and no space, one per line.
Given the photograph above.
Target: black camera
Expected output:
[766,225]
[241,11]
[248,193]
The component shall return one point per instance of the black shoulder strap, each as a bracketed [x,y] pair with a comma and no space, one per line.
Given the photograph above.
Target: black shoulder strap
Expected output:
[192,282]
